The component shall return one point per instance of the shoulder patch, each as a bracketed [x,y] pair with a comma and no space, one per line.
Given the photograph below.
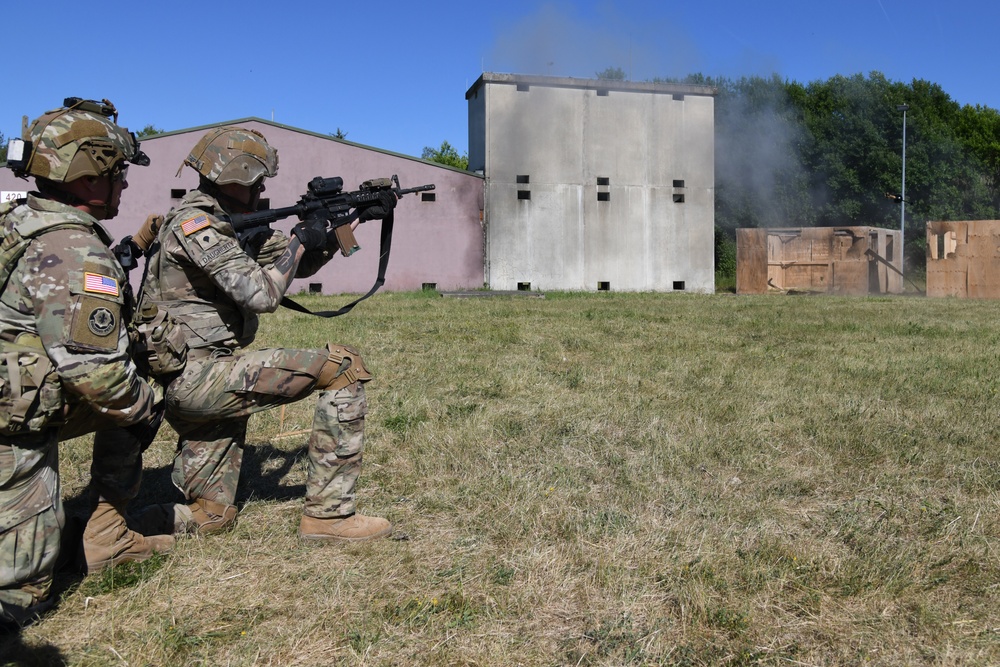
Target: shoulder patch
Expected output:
[192,225]
[99,284]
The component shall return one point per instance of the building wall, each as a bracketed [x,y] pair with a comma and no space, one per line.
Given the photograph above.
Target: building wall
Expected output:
[963,259]
[438,242]
[836,260]
[599,161]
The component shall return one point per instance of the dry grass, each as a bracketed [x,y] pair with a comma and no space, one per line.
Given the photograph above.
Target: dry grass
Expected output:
[602,480]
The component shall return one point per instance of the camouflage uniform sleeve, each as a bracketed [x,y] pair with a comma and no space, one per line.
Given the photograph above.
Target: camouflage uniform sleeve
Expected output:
[210,245]
[78,304]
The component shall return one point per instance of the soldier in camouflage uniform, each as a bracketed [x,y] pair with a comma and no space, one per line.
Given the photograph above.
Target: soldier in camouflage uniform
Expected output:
[64,365]
[201,299]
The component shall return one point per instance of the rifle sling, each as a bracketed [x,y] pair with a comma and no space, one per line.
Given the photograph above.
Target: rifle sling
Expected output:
[383,263]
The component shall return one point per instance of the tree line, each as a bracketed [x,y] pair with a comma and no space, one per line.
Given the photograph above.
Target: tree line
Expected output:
[830,153]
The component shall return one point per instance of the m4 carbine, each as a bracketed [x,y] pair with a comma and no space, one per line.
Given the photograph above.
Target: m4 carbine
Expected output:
[325,200]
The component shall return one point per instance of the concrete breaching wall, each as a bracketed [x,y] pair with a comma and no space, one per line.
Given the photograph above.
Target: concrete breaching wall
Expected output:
[595,185]
[963,259]
[834,260]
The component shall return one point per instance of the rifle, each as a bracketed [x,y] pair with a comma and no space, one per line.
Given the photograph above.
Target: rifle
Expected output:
[324,200]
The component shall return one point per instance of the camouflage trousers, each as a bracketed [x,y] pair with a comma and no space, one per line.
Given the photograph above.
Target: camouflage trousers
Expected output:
[31,509]
[209,405]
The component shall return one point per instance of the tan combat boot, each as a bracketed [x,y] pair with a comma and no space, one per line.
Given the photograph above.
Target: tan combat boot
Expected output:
[355,528]
[107,540]
[201,516]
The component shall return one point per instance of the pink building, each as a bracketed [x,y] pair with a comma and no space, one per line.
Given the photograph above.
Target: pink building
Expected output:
[438,235]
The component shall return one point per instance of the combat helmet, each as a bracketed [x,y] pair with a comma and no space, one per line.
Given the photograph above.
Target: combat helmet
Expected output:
[80,139]
[233,155]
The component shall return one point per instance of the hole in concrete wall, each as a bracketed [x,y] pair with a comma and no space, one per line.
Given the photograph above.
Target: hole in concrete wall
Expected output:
[523,178]
[603,196]
[524,194]
[523,87]
[678,199]
[678,97]
[177,193]
[524,287]
[315,288]
[428,196]
[429,287]
[679,285]
[678,183]
[604,180]
[603,286]
[602,92]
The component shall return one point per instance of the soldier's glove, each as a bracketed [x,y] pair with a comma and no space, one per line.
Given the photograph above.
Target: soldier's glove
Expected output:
[145,431]
[379,211]
[146,235]
[272,245]
[311,233]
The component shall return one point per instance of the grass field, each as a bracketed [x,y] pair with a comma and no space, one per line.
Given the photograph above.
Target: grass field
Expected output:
[601,479]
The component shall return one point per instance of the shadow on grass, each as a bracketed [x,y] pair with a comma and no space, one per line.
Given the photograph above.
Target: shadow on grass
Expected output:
[14,652]
[264,468]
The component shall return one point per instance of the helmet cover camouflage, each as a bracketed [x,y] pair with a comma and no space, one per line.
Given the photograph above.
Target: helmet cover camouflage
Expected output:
[79,140]
[233,155]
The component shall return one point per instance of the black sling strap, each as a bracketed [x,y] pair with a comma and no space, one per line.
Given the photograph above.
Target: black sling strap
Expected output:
[385,244]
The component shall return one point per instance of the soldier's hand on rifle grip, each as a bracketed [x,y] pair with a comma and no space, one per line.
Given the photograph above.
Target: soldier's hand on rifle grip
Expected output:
[379,211]
[311,233]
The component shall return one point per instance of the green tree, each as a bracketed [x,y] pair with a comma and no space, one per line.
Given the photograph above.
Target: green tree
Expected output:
[446,154]
[148,131]
[612,74]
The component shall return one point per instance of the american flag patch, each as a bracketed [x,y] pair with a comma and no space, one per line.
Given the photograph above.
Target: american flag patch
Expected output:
[189,227]
[95,282]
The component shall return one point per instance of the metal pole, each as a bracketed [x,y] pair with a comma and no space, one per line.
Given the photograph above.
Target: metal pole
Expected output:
[902,196]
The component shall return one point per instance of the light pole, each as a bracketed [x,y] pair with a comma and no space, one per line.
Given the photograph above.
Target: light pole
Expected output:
[902,193]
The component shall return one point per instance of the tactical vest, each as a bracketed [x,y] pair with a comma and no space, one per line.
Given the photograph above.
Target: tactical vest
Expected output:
[30,391]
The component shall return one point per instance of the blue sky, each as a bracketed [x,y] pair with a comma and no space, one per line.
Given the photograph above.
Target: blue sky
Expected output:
[394,74]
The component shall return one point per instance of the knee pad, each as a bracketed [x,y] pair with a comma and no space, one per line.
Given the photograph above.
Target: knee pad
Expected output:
[343,366]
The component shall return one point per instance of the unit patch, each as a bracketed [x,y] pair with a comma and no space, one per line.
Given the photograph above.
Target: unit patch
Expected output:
[95,326]
[194,224]
[100,284]
[101,322]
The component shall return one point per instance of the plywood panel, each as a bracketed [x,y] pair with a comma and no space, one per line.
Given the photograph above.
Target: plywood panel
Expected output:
[751,261]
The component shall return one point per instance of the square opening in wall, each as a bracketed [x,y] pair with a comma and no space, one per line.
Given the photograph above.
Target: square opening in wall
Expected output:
[315,288]
[523,179]
[428,196]
[678,183]
[524,287]
[603,196]
[177,193]
[523,87]
[603,286]
[678,97]
[602,92]
[679,285]
[429,287]
[603,180]
[524,194]
[678,199]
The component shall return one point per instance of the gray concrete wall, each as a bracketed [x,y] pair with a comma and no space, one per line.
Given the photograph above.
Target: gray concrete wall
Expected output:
[564,135]
[438,242]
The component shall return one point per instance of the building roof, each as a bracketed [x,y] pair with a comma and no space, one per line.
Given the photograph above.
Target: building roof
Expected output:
[590,84]
[318,135]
